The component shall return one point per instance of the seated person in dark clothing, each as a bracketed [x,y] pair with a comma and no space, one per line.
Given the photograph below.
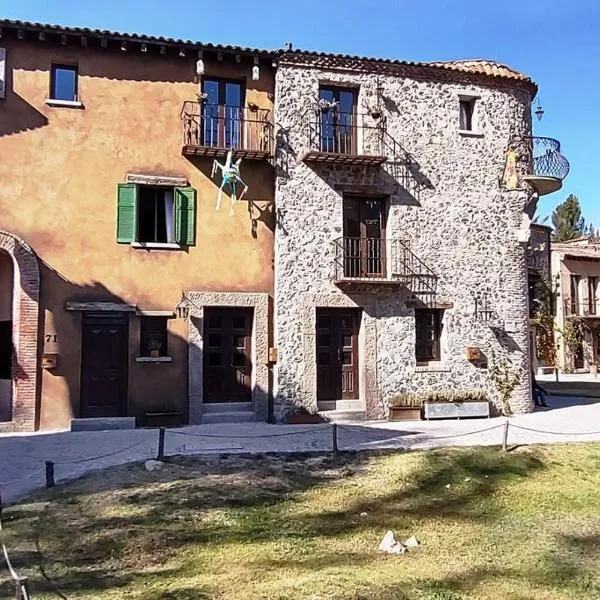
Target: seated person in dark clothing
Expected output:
[538,392]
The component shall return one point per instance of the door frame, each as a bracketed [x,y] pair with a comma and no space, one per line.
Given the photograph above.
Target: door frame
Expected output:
[121,319]
[260,382]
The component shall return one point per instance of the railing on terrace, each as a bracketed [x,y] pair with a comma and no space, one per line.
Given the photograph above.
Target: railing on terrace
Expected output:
[535,261]
[378,260]
[338,137]
[547,160]
[585,308]
[212,130]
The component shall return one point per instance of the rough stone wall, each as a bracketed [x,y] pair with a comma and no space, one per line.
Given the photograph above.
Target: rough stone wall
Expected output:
[449,207]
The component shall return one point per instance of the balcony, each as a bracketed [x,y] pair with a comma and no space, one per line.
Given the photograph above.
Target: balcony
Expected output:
[334,137]
[535,262]
[376,261]
[212,130]
[546,167]
[586,309]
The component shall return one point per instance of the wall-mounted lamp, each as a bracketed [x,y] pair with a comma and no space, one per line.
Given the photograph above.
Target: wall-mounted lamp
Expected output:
[539,111]
[255,70]
[200,64]
[182,310]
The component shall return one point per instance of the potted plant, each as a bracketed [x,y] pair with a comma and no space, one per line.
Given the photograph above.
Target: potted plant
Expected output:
[303,416]
[327,105]
[456,404]
[154,347]
[252,106]
[405,407]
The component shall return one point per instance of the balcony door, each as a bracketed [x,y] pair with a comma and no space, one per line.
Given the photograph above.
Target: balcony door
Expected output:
[222,113]
[338,123]
[364,238]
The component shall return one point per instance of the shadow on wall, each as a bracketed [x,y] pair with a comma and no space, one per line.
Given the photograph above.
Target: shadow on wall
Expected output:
[17,114]
[151,387]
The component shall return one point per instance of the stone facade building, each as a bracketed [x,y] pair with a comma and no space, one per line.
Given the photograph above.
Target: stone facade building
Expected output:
[379,245]
[400,257]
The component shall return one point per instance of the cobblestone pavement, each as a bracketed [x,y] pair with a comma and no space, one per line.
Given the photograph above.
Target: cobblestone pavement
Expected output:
[23,456]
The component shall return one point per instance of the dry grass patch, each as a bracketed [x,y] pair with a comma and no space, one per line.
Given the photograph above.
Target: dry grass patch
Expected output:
[492,525]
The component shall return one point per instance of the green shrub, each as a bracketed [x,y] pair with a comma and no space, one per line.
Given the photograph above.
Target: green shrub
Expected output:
[415,399]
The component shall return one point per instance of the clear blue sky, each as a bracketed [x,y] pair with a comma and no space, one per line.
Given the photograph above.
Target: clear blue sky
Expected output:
[557,42]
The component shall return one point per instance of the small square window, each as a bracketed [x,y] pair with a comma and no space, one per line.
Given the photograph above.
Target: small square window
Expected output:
[153,336]
[428,332]
[63,83]
[467,114]
[156,215]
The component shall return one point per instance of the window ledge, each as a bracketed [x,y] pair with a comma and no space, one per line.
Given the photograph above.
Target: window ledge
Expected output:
[156,245]
[432,367]
[64,103]
[469,133]
[156,359]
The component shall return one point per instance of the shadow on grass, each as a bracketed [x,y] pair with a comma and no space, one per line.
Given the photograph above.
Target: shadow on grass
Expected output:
[212,502]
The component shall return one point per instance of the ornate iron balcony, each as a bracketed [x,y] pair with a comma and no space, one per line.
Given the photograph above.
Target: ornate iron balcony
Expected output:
[344,138]
[381,261]
[212,130]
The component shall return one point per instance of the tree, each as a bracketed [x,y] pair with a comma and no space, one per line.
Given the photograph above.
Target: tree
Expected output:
[567,220]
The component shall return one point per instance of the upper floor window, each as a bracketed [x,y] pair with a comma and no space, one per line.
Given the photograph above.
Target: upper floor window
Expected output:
[156,215]
[63,83]
[153,337]
[574,285]
[428,331]
[467,114]
[222,113]
[338,119]
[592,291]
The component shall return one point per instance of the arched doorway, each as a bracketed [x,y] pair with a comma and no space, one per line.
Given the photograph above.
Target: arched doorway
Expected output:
[19,313]
[6,332]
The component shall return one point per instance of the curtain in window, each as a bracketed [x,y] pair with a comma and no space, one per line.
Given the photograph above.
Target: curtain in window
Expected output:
[170,215]
[464,116]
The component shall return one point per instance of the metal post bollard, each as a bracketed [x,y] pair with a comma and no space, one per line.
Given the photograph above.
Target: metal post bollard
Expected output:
[335,438]
[50,474]
[161,444]
[505,437]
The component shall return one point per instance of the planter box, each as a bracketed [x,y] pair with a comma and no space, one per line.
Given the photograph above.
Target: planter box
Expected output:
[305,419]
[404,413]
[163,419]
[455,410]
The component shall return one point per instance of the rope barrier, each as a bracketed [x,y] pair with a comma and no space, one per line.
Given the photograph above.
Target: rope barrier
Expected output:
[442,437]
[250,437]
[82,460]
[555,432]
[20,581]
[22,478]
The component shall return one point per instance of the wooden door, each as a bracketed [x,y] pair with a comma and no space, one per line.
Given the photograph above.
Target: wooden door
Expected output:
[228,354]
[337,353]
[364,237]
[104,365]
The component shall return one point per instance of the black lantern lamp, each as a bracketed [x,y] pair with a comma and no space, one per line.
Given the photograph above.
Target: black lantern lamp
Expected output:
[539,111]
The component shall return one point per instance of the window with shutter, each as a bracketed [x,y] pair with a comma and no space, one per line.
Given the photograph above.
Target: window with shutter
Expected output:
[428,332]
[185,223]
[127,195]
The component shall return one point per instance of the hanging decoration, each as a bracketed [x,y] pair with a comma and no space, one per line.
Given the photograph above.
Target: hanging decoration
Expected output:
[230,176]
[510,180]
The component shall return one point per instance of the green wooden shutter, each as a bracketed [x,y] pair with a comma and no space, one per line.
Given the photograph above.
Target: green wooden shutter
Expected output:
[127,195]
[185,209]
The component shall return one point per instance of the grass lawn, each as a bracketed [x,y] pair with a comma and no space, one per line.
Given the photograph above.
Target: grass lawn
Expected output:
[493,525]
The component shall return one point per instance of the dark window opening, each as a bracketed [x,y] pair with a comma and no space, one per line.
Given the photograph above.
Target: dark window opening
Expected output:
[6,349]
[592,288]
[63,82]
[467,110]
[428,328]
[153,336]
[574,294]
[156,215]
[222,113]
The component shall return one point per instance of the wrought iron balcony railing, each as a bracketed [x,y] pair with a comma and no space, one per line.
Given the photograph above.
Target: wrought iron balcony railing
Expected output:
[344,138]
[586,308]
[540,163]
[212,130]
[535,262]
[377,260]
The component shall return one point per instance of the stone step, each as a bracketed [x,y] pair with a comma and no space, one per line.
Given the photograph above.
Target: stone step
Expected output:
[239,416]
[102,423]
[223,407]
[343,416]
[340,405]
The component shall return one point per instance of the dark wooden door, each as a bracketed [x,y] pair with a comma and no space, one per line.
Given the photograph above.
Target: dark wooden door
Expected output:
[337,353]
[228,354]
[364,237]
[104,362]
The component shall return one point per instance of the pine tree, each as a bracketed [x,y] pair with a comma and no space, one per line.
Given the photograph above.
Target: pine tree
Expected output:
[567,220]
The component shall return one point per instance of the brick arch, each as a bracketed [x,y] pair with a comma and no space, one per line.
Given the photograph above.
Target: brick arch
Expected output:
[25,310]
